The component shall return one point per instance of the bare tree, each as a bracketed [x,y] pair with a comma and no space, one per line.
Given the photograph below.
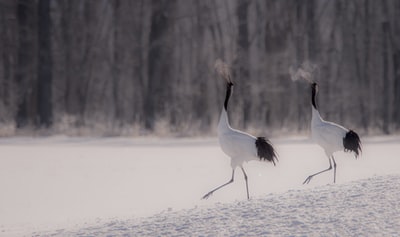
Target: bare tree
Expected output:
[44,79]
[26,62]
[159,65]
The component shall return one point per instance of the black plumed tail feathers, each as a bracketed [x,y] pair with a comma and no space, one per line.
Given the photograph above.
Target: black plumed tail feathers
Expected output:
[265,151]
[352,142]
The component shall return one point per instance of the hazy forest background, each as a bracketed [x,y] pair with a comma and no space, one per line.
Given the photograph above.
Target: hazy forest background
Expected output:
[122,67]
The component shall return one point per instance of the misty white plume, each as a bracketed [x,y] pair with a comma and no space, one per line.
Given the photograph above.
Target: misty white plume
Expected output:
[305,72]
[223,69]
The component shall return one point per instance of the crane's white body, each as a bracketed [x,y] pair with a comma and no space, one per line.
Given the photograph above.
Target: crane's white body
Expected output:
[327,134]
[238,145]
[330,136]
[241,147]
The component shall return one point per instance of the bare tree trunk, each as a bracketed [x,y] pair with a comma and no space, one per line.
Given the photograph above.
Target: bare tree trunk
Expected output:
[141,73]
[8,37]
[396,67]
[66,32]
[159,64]
[395,42]
[386,86]
[242,64]
[299,52]
[44,80]
[366,120]
[26,61]
[116,61]
[312,31]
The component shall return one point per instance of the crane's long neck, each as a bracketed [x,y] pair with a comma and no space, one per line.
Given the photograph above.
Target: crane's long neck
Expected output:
[223,120]
[316,117]
[313,95]
[228,94]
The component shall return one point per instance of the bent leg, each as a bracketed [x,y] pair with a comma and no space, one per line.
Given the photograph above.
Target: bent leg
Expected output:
[212,191]
[308,179]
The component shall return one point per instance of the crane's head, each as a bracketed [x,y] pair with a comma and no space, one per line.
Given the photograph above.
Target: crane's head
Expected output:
[314,86]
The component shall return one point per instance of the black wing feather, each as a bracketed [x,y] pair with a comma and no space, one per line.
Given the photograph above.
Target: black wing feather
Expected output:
[352,142]
[265,151]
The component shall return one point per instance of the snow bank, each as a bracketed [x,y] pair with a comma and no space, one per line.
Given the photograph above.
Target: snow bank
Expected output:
[369,207]
[63,183]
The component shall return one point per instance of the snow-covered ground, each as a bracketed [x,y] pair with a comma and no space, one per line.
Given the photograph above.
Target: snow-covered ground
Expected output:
[152,187]
[368,207]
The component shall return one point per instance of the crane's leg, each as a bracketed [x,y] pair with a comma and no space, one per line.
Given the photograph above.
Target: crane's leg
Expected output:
[308,179]
[247,186]
[334,169]
[212,191]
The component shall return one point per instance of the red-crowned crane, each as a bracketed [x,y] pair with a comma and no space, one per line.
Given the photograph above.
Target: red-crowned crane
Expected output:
[330,136]
[239,146]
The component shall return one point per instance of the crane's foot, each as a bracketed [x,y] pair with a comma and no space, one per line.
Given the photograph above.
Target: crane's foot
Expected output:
[308,179]
[207,195]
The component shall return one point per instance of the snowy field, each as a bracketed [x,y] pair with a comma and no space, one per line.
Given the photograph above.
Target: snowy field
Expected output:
[63,186]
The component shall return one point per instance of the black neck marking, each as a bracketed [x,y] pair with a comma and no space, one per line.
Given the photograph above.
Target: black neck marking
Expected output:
[228,94]
[314,94]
